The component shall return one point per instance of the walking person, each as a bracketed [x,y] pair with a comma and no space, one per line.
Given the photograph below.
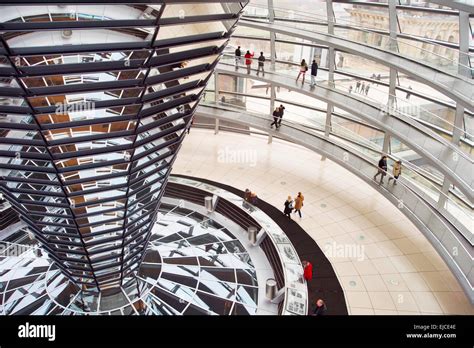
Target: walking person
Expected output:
[303,70]
[362,88]
[367,89]
[248,61]
[238,58]
[288,207]
[276,117]
[379,78]
[382,169]
[299,203]
[314,73]
[397,170]
[350,89]
[409,93]
[357,86]
[281,112]
[307,270]
[261,63]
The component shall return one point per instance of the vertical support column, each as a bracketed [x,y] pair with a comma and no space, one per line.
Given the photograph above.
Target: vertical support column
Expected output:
[272,107]
[216,87]
[271,18]
[464,70]
[272,98]
[392,17]
[216,127]
[216,99]
[443,197]
[386,143]
[464,35]
[327,126]
[330,16]
[392,89]
[458,124]
[331,54]
[392,23]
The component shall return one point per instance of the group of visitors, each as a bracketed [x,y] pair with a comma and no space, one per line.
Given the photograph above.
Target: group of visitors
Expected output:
[304,68]
[261,65]
[278,116]
[382,170]
[361,87]
[297,204]
[376,77]
[250,197]
[248,61]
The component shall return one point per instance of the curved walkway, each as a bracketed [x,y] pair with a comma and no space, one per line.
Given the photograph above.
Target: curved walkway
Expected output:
[418,208]
[325,283]
[399,272]
[456,87]
[461,5]
[443,155]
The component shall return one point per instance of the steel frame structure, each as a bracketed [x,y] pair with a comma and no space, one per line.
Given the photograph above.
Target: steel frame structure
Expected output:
[89,131]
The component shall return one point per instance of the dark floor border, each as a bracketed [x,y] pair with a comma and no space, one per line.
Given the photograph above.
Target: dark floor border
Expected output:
[324,284]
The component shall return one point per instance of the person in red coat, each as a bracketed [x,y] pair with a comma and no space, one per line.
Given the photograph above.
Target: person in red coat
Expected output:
[308,270]
[248,60]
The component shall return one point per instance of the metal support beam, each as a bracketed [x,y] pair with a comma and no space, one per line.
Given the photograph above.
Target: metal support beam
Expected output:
[464,36]
[386,143]
[216,87]
[331,59]
[330,16]
[271,18]
[392,22]
[216,127]
[392,17]
[443,197]
[464,70]
[331,52]
[262,234]
[392,89]
[458,124]
[272,98]
[327,126]
[280,296]
[270,138]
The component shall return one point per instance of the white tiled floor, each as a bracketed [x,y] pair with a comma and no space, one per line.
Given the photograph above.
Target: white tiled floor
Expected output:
[396,271]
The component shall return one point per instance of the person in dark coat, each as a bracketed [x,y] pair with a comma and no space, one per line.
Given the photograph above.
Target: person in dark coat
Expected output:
[261,64]
[288,207]
[238,58]
[314,73]
[276,117]
[320,308]
[382,169]
[280,115]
